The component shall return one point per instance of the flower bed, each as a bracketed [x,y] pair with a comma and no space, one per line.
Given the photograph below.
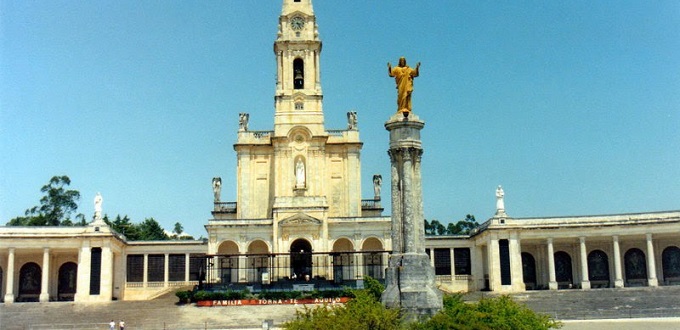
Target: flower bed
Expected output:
[247,302]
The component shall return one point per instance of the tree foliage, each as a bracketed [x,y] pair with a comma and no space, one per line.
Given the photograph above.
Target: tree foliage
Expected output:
[489,313]
[55,208]
[366,312]
[462,227]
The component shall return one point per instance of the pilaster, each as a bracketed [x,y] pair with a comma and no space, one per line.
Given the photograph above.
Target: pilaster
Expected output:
[45,278]
[552,284]
[585,278]
[9,288]
[618,272]
[651,263]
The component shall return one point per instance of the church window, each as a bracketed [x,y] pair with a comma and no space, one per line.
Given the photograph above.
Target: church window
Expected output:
[299,106]
[156,268]
[442,261]
[135,268]
[461,260]
[298,74]
[296,1]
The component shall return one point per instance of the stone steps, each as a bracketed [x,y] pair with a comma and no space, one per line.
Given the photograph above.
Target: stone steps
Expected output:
[164,313]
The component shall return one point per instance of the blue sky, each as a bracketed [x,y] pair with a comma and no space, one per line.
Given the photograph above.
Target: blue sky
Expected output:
[573,106]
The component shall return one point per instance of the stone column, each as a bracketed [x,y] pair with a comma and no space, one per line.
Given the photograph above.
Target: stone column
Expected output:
[585,278]
[618,281]
[477,267]
[651,263]
[84,270]
[242,262]
[106,280]
[453,264]
[516,272]
[552,285]
[187,266]
[166,270]
[494,258]
[145,280]
[432,257]
[9,288]
[45,280]
[410,277]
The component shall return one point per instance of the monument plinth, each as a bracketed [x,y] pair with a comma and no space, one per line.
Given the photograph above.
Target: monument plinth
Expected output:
[409,279]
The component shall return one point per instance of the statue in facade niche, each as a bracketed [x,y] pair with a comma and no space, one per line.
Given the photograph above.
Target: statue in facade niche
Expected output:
[299,174]
[377,183]
[352,120]
[243,121]
[403,76]
[217,187]
[98,206]
[500,203]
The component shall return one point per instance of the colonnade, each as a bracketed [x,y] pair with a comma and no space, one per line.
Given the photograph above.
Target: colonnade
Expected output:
[87,273]
[498,279]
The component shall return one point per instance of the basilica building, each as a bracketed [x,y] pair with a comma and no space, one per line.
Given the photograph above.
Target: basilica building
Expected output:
[299,222]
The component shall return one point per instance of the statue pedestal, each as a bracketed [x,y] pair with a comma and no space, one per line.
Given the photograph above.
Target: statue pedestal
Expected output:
[409,279]
[409,285]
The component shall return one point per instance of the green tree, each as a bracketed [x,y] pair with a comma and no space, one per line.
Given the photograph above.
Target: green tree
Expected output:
[55,208]
[179,229]
[434,227]
[463,227]
[124,226]
[151,230]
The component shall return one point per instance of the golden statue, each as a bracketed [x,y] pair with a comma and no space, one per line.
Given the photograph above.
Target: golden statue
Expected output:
[403,75]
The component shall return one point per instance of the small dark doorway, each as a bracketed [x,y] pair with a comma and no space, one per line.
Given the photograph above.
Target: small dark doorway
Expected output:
[504,252]
[529,270]
[68,279]
[636,267]
[563,273]
[598,269]
[30,278]
[670,259]
[301,259]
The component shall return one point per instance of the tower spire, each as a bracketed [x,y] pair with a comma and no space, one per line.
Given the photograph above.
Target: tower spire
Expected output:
[298,83]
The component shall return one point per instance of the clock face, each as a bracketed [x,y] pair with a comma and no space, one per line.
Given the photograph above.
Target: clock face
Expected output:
[297,23]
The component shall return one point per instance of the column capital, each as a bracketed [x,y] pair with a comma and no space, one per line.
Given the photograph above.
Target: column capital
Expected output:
[615,238]
[582,239]
[649,237]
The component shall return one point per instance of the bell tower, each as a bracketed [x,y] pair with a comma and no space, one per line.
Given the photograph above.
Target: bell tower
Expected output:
[298,98]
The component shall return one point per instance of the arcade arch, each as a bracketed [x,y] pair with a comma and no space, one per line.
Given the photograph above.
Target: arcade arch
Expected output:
[598,269]
[670,260]
[373,257]
[636,267]
[342,260]
[30,282]
[229,263]
[67,282]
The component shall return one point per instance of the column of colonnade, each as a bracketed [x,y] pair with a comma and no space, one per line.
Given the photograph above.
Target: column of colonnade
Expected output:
[494,264]
[652,279]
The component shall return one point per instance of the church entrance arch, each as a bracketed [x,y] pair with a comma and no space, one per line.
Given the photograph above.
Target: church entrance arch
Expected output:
[563,273]
[29,282]
[636,267]
[228,262]
[258,260]
[670,259]
[301,259]
[373,258]
[342,260]
[68,279]
[598,269]
[529,270]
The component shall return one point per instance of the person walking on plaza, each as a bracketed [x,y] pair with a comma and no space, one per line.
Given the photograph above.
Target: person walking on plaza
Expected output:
[121,325]
[112,325]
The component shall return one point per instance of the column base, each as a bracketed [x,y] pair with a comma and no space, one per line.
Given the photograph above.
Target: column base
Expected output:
[585,285]
[9,298]
[409,285]
[44,297]
[618,284]
[652,282]
[552,285]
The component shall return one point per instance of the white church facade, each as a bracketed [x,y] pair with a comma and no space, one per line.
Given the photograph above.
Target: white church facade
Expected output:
[299,219]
